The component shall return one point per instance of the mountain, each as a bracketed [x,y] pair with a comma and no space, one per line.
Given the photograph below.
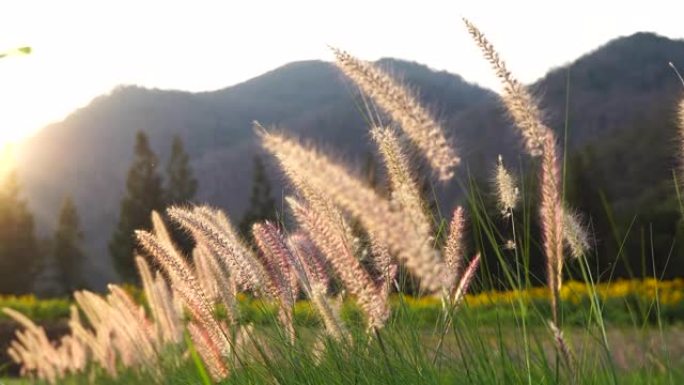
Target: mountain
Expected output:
[621,138]
[622,147]
[87,155]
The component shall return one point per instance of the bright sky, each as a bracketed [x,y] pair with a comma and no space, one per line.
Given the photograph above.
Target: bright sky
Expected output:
[82,49]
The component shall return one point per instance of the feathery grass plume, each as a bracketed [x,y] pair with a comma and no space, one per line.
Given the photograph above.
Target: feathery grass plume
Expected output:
[323,223]
[217,278]
[563,346]
[329,312]
[204,273]
[405,109]
[95,309]
[574,234]
[277,258]
[382,259]
[222,222]
[73,355]
[311,268]
[120,327]
[313,265]
[214,230]
[304,165]
[133,326]
[159,297]
[207,350]
[159,228]
[98,340]
[506,191]
[32,349]
[453,249]
[551,210]
[519,102]
[539,140]
[186,285]
[460,290]
[41,359]
[271,241]
[161,232]
[405,192]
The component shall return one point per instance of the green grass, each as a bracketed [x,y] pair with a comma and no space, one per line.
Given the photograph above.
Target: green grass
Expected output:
[471,354]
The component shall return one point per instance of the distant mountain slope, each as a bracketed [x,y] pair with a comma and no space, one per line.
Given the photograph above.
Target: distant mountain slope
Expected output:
[623,146]
[621,134]
[87,155]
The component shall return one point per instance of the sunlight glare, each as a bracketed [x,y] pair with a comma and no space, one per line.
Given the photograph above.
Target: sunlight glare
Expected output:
[7,158]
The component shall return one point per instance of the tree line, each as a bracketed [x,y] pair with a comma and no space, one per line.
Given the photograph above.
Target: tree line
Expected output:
[54,266]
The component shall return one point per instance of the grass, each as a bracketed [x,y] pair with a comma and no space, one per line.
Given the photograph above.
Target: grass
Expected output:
[471,354]
[537,330]
[623,302]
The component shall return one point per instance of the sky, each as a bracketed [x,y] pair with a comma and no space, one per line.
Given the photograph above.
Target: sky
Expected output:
[85,48]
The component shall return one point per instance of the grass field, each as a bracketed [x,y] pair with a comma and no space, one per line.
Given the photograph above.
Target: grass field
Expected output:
[229,313]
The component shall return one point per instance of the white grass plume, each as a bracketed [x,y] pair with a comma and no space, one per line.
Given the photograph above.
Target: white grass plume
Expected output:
[187,286]
[160,300]
[277,260]
[574,234]
[207,350]
[519,102]
[539,140]
[215,277]
[323,223]
[460,290]
[211,228]
[563,347]
[405,192]
[506,191]
[405,109]
[453,249]
[551,210]
[305,165]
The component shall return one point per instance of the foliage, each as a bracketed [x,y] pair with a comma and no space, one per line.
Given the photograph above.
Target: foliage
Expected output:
[625,302]
[41,310]
[20,260]
[181,187]
[144,193]
[261,203]
[68,251]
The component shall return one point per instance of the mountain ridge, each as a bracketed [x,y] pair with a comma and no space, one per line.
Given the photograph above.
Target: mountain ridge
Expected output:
[87,154]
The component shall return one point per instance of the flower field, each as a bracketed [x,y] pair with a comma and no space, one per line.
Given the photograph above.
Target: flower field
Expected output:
[622,300]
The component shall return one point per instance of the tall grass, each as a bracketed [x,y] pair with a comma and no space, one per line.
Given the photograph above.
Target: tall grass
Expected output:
[350,243]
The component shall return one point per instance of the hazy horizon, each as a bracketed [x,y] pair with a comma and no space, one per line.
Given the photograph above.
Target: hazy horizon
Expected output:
[83,50]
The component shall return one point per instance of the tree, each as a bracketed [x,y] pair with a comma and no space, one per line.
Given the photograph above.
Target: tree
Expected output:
[182,187]
[144,193]
[67,247]
[20,259]
[261,204]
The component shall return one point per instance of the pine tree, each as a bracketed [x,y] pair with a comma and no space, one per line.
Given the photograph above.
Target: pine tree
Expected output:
[67,247]
[182,185]
[20,259]
[144,194]
[181,189]
[261,204]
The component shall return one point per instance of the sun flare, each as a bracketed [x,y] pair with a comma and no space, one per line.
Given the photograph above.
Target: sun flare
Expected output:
[8,136]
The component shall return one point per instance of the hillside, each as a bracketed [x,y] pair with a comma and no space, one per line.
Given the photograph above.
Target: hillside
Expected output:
[87,155]
[621,134]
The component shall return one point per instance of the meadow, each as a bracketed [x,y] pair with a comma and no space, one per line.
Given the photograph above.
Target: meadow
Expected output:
[360,286]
